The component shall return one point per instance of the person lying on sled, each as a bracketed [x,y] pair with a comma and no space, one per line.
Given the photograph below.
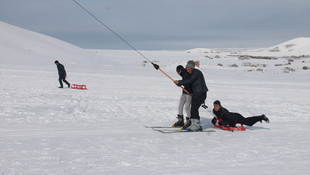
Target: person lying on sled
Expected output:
[226,118]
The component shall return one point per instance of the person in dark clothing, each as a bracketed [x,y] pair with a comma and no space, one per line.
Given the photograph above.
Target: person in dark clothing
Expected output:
[230,118]
[199,87]
[62,74]
[185,99]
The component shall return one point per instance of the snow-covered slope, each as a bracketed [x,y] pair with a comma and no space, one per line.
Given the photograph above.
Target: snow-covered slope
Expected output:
[46,130]
[23,47]
[295,47]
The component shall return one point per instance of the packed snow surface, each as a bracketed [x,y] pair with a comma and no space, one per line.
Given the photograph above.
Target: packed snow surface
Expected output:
[47,130]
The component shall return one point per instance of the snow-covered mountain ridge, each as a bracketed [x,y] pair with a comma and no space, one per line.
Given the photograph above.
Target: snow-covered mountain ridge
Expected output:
[22,47]
[297,46]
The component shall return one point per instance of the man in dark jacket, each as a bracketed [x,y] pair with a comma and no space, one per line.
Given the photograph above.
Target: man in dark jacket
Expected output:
[230,118]
[199,87]
[62,74]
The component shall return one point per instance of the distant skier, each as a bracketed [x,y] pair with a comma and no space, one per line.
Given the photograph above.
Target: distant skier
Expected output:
[230,119]
[185,99]
[62,74]
[199,87]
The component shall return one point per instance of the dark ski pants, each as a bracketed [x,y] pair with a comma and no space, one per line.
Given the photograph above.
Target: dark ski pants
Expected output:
[196,103]
[63,78]
[249,121]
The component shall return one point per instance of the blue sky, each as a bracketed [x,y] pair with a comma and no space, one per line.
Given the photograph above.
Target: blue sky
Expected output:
[163,24]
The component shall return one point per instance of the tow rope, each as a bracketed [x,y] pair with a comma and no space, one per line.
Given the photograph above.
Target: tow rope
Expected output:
[131,46]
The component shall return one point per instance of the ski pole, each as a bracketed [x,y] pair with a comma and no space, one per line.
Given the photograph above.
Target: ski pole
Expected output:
[158,68]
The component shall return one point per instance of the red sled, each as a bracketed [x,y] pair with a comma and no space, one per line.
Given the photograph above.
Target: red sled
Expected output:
[80,87]
[229,128]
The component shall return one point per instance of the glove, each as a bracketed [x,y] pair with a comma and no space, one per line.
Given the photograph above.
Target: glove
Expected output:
[213,121]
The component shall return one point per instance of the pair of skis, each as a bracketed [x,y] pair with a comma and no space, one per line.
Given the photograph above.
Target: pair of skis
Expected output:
[169,129]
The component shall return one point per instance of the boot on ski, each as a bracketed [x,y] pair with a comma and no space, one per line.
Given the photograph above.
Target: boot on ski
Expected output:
[186,124]
[192,125]
[179,123]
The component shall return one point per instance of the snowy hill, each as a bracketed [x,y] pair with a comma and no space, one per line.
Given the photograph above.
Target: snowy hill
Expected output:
[295,47]
[23,47]
[287,57]
[47,130]
[298,46]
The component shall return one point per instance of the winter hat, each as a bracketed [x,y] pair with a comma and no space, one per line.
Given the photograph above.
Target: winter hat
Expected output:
[217,103]
[179,68]
[190,64]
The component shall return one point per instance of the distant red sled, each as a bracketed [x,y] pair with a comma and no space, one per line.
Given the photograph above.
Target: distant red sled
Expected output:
[229,128]
[79,87]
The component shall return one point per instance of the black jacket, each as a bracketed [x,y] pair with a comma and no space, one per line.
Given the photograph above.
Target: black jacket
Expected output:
[184,74]
[61,70]
[229,118]
[197,81]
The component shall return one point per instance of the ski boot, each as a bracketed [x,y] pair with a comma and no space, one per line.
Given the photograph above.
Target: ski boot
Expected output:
[186,125]
[179,123]
[192,125]
[187,121]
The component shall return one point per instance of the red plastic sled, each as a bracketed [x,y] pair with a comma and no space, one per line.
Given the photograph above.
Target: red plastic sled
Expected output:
[80,87]
[229,128]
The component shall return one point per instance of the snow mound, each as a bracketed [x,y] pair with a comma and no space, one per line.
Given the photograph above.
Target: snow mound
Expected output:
[21,47]
[297,45]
